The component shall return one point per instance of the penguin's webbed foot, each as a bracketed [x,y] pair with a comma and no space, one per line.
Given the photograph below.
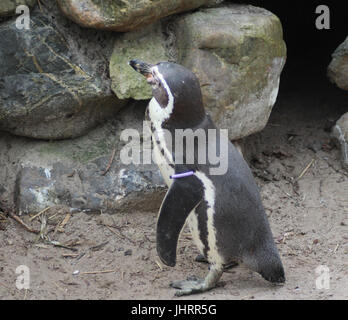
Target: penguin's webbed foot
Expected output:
[189,286]
[197,285]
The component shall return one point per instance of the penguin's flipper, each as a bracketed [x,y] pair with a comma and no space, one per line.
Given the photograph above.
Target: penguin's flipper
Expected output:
[182,197]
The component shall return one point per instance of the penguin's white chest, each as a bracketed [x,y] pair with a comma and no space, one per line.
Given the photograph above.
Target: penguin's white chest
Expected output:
[161,139]
[193,225]
[161,160]
[213,254]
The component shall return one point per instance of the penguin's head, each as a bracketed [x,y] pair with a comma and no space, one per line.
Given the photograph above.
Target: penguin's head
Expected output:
[176,89]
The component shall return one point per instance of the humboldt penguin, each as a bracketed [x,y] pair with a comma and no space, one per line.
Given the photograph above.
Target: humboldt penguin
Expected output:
[223,208]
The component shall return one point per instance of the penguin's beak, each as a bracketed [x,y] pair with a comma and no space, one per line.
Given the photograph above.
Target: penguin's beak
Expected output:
[142,67]
[145,69]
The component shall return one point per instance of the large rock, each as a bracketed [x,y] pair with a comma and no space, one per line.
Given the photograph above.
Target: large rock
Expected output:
[53,82]
[338,68]
[72,172]
[236,51]
[8,7]
[340,132]
[238,54]
[123,15]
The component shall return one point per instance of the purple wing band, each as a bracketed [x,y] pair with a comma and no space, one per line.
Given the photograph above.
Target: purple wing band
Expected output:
[182,175]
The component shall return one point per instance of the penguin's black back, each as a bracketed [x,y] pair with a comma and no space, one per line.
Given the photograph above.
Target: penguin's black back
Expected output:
[242,229]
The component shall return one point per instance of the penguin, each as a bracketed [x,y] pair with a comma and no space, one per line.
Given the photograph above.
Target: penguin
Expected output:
[224,212]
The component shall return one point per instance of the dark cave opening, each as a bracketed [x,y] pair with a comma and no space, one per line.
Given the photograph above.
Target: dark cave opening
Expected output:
[309,52]
[308,48]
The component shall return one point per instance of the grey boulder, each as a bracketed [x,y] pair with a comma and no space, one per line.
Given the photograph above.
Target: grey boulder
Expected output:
[123,15]
[50,87]
[236,51]
[340,133]
[74,173]
[338,68]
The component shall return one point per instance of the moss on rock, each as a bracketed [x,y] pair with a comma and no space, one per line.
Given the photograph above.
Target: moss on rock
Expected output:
[148,45]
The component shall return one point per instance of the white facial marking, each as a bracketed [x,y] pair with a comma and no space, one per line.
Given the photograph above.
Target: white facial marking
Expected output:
[159,134]
[162,163]
[209,196]
[158,114]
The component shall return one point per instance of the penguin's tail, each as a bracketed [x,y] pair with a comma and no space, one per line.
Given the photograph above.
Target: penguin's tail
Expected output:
[271,268]
[274,273]
[267,263]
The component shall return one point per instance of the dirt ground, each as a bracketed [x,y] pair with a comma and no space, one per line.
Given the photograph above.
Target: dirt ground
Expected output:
[304,191]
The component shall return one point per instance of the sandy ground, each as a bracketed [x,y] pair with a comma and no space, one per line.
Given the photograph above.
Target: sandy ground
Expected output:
[114,255]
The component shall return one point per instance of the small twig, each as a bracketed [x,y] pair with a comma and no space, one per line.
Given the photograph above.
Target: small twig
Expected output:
[287,194]
[65,221]
[147,238]
[70,255]
[1,284]
[59,227]
[119,231]
[38,1]
[19,220]
[58,244]
[59,287]
[41,212]
[81,255]
[42,246]
[52,216]
[43,228]
[160,265]
[305,169]
[110,162]
[99,246]
[114,232]
[98,272]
